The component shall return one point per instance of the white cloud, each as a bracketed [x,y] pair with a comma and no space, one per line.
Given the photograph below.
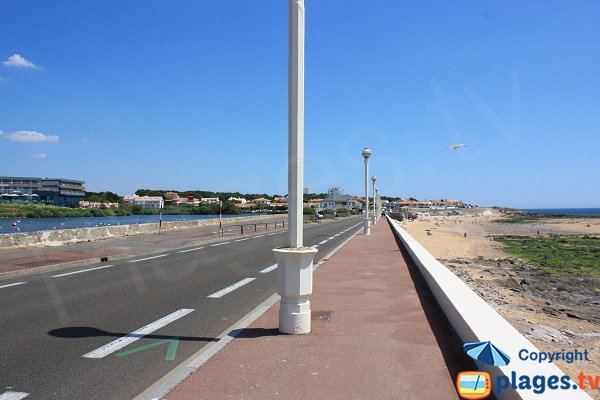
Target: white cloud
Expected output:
[39,155]
[18,61]
[29,137]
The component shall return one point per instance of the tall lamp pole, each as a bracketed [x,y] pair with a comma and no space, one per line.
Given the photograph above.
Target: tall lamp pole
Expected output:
[366,153]
[374,179]
[294,275]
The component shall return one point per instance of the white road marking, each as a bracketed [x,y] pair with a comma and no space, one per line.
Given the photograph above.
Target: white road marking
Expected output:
[324,241]
[231,288]
[316,246]
[13,395]
[148,258]
[13,284]
[274,233]
[269,269]
[218,244]
[337,234]
[79,272]
[241,240]
[121,342]
[194,249]
[259,236]
[331,238]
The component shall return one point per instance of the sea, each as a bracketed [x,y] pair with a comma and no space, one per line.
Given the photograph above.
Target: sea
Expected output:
[564,211]
[15,225]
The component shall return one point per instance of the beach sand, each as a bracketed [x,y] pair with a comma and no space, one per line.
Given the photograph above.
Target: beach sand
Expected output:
[554,313]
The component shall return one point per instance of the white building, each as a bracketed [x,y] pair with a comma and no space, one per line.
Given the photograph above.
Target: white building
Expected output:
[239,200]
[337,201]
[261,201]
[209,200]
[145,201]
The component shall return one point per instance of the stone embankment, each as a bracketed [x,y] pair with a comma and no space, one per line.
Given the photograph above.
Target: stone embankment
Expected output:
[68,236]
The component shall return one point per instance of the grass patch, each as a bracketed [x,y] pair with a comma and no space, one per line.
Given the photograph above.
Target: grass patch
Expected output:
[557,254]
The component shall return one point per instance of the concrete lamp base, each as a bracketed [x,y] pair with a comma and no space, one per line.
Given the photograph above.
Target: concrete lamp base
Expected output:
[367,229]
[294,285]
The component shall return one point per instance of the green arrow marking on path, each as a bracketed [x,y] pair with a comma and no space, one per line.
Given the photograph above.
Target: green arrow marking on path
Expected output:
[171,348]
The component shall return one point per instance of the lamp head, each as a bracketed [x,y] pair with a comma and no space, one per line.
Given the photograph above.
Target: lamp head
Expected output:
[373,178]
[366,153]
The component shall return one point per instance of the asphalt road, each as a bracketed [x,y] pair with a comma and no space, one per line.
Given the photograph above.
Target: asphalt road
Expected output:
[68,334]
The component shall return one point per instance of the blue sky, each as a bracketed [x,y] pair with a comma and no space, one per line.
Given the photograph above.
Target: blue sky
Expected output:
[193,95]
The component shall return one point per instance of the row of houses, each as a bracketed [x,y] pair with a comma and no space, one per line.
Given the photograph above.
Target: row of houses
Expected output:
[442,204]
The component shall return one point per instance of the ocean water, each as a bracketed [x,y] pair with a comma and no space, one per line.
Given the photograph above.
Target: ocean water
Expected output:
[564,211]
[48,224]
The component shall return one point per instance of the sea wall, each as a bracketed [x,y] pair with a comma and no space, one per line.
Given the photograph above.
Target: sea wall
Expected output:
[475,321]
[67,236]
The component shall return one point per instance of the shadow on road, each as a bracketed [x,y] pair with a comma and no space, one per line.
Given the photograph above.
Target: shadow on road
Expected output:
[75,332]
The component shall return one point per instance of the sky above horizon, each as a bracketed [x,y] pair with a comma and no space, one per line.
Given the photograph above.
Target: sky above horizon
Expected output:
[193,95]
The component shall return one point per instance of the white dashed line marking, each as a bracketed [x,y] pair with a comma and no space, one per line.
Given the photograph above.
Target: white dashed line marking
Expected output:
[82,271]
[124,341]
[324,241]
[219,244]
[194,249]
[13,395]
[231,288]
[148,258]
[269,269]
[12,284]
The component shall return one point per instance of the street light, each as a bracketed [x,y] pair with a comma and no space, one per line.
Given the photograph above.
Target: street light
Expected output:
[366,153]
[294,275]
[374,179]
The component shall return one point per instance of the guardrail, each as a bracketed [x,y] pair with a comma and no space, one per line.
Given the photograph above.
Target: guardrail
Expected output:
[475,321]
[255,225]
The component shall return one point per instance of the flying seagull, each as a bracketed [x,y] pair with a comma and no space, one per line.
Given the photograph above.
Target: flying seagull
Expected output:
[457,146]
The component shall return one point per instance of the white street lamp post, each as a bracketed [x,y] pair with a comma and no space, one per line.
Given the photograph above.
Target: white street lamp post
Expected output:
[366,153]
[294,276]
[374,217]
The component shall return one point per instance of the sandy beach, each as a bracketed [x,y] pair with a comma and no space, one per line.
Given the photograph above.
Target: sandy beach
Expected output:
[554,312]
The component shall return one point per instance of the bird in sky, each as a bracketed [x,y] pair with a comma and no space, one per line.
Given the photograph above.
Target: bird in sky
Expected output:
[457,146]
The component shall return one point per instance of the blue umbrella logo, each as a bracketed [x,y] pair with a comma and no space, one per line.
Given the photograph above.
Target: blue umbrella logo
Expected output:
[487,353]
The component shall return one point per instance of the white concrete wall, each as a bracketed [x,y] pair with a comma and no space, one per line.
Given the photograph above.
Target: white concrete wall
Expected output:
[475,321]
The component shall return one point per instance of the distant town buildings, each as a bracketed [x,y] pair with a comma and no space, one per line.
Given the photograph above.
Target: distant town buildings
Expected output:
[56,191]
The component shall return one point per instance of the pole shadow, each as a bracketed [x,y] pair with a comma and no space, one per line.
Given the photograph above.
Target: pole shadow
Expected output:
[78,332]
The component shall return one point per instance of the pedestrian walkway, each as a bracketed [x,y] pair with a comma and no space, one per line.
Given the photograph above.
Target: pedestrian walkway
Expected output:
[377,333]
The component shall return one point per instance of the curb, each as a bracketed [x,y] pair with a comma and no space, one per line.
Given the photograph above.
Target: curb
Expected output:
[167,383]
